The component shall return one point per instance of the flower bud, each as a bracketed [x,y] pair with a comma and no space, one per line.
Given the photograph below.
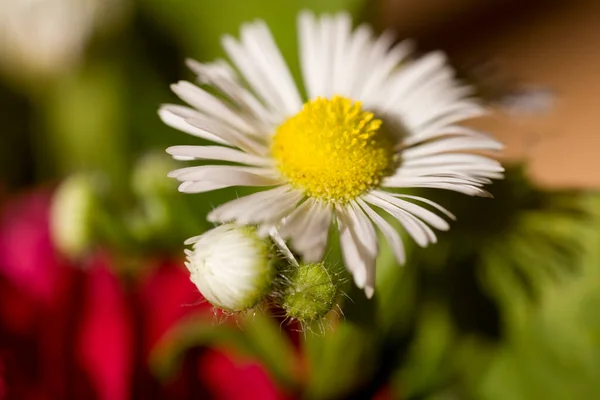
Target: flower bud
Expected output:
[309,292]
[232,266]
[149,177]
[72,215]
[48,37]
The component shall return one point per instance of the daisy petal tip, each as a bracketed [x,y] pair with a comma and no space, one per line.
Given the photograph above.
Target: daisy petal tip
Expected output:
[213,217]
[173,174]
[171,150]
[183,158]
[191,63]
[189,242]
[227,40]
[184,187]
[164,111]
[305,14]
[369,291]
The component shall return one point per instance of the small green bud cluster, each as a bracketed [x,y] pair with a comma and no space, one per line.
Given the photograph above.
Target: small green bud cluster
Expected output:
[307,292]
[237,270]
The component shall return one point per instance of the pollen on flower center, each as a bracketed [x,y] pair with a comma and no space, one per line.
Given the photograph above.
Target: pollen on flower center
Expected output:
[333,149]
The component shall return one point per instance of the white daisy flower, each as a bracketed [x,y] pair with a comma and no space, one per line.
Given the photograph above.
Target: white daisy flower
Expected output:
[372,120]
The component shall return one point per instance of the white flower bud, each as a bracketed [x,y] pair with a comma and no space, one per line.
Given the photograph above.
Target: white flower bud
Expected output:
[72,214]
[232,266]
[47,37]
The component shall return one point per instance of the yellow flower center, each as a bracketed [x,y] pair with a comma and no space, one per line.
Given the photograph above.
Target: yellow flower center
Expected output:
[333,149]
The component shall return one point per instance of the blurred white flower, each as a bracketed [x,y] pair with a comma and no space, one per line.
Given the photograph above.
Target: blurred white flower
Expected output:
[373,121]
[232,266]
[72,212]
[47,36]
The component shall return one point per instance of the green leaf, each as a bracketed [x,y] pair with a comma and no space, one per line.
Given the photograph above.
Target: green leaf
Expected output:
[340,361]
[258,336]
[424,365]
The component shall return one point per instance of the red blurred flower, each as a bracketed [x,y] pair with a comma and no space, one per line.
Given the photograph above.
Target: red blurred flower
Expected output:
[37,300]
[73,332]
[230,377]
[167,295]
[105,340]
[27,256]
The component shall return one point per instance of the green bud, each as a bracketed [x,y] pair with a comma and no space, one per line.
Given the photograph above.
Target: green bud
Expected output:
[309,292]
[72,215]
[149,176]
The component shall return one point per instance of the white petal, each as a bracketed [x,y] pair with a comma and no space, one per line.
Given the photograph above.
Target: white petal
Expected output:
[280,243]
[240,140]
[308,226]
[426,201]
[210,177]
[449,159]
[429,217]
[308,57]
[368,237]
[342,26]
[406,181]
[352,258]
[263,207]
[296,222]
[317,232]
[315,55]
[452,144]
[412,75]
[250,56]
[352,77]
[175,116]
[210,105]
[470,190]
[325,53]
[217,153]
[416,228]
[229,210]
[481,175]
[445,123]
[377,78]
[224,80]
[433,132]
[456,110]
[201,186]
[388,231]
[260,43]
[356,243]
[210,172]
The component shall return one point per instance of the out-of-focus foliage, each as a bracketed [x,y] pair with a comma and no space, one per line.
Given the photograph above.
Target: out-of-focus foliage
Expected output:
[505,306]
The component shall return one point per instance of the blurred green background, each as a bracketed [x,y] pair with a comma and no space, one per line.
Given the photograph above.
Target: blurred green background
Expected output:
[505,306]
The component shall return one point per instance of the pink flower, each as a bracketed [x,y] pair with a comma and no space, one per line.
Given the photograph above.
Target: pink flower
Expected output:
[27,256]
[105,345]
[230,377]
[166,296]
[71,332]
